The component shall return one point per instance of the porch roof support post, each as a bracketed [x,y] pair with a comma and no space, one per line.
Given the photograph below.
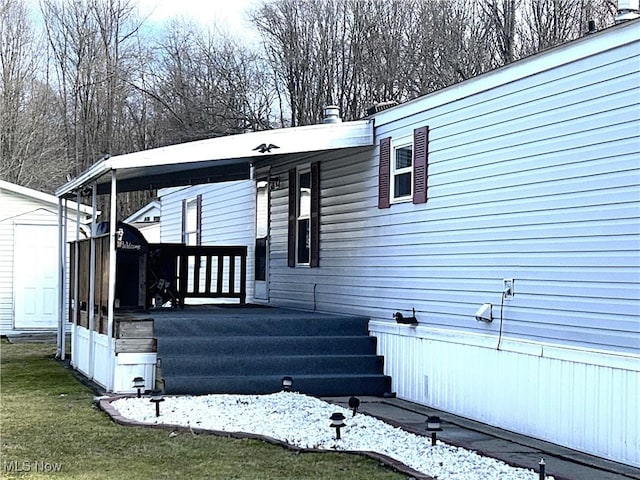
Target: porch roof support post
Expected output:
[63,288]
[76,280]
[61,267]
[112,279]
[92,276]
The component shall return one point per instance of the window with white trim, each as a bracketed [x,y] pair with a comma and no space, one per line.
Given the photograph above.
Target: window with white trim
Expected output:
[402,170]
[303,237]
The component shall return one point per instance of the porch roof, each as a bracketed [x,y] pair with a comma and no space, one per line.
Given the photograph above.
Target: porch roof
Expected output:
[217,159]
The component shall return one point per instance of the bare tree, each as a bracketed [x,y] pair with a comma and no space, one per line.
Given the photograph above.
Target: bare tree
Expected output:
[204,86]
[29,137]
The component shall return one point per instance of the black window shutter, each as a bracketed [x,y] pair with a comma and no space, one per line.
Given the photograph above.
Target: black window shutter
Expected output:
[291,245]
[199,220]
[420,164]
[384,173]
[315,215]
[183,233]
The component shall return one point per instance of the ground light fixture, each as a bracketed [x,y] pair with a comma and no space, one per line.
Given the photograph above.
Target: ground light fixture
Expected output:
[156,397]
[434,425]
[337,422]
[542,472]
[287,383]
[354,403]
[138,384]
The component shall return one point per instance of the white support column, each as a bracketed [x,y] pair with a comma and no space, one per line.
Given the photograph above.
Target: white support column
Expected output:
[63,282]
[60,281]
[113,228]
[76,281]
[92,277]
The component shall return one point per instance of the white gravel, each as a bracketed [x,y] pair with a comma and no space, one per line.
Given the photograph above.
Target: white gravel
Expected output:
[303,421]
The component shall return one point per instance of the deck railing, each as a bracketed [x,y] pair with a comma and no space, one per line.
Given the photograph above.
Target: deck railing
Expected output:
[200,271]
[206,272]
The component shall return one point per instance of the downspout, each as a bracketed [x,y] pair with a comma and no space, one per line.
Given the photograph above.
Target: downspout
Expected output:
[92,278]
[112,281]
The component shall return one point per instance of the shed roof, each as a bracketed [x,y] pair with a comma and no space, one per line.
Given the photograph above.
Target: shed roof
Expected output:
[217,159]
[41,196]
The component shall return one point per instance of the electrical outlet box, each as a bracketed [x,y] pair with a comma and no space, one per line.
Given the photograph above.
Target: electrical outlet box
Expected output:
[508,288]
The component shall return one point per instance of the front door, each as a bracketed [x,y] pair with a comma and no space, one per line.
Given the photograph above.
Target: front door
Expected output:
[35,276]
[261,270]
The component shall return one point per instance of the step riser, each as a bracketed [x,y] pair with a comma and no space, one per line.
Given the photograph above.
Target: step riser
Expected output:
[271,365]
[325,386]
[361,345]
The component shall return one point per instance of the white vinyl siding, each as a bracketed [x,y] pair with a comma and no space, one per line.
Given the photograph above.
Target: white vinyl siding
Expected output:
[18,209]
[533,175]
[228,216]
[536,181]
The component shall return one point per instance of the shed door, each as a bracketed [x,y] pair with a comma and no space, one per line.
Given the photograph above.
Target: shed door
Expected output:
[35,282]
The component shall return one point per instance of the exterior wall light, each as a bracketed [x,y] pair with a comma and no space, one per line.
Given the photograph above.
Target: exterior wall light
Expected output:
[354,403]
[156,397]
[138,384]
[337,422]
[287,383]
[434,425]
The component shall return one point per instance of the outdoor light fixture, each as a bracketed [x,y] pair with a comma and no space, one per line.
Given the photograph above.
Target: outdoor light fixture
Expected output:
[542,465]
[434,425]
[484,313]
[337,422]
[287,383]
[274,183]
[156,397]
[138,383]
[354,403]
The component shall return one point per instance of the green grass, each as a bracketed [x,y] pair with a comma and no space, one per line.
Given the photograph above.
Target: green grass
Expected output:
[47,422]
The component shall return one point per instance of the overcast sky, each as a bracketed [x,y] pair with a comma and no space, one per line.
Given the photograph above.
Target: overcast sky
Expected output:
[228,14]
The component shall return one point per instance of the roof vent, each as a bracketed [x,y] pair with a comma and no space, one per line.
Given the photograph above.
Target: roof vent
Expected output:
[332,114]
[378,107]
[627,10]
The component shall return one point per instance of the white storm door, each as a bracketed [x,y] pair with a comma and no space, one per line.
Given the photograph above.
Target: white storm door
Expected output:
[261,274]
[35,276]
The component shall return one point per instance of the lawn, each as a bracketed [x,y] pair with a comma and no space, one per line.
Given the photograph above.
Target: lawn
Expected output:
[49,429]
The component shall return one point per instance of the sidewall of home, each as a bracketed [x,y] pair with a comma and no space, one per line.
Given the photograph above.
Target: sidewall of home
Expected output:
[587,401]
[533,176]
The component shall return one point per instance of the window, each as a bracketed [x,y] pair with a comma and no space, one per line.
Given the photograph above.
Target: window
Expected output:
[303,253]
[191,221]
[304,216]
[403,169]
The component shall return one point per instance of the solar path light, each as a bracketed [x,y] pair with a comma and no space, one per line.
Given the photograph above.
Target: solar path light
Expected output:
[156,397]
[138,384]
[287,383]
[337,422]
[434,425]
[354,403]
